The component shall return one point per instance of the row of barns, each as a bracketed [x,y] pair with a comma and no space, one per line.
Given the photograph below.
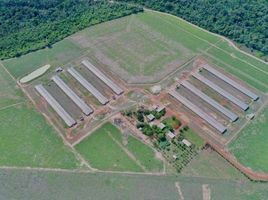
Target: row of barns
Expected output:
[215,104]
[86,109]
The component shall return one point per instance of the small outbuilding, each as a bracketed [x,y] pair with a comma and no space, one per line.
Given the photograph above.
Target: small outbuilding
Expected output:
[150,117]
[161,108]
[186,142]
[170,135]
[161,126]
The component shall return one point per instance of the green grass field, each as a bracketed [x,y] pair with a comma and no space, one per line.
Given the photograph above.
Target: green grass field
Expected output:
[31,185]
[251,147]
[209,163]
[105,154]
[27,140]
[60,53]
[194,138]
[9,92]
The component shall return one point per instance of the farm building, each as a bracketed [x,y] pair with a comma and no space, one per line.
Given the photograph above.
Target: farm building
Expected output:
[170,135]
[102,77]
[186,142]
[56,106]
[210,120]
[231,82]
[222,92]
[70,93]
[150,117]
[233,117]
[161,126]
[102,99]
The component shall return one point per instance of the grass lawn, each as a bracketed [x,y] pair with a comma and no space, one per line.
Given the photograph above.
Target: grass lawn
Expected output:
[144,154]
[251,147]
[175,124]
[209,163]
[27,140]
[9,92]
[194,138]
[105,154]
[60,53]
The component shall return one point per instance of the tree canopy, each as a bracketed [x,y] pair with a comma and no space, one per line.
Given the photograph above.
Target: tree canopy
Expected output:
[29,25]
[244,21]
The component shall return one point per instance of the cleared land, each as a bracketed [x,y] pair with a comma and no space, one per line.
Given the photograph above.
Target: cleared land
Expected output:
[61,53]
[27,140]
[104,153]
[251,147]
[209,163]
[9,92]
[106,150]
[98,186]
[145,48]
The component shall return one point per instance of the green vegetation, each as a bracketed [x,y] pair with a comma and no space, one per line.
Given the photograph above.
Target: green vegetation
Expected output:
[209,163]
[192,137]
[251,147]
[144,154]
[31,25]
[172,122]
[27,140]
[9,93]
[99,186]
[104,150]
[104,153]
[242,21]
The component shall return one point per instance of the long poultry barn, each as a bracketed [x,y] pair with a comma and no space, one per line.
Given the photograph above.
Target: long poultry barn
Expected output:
[221,91]
[102,99]
[55,105]
[233,117]
[231,82]
[211,121]
[73,96]
[102,77]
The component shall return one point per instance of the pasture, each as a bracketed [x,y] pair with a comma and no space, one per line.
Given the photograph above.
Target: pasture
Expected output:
[106,149]
[250,148]
[31,184]
[27,140]
[60,53]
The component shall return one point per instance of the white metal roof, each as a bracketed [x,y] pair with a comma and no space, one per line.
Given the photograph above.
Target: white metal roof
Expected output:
[221,91]
[74,97]
[231,82]
[103,77]
[102,99]
[210,120]
[55,105]
[210,101]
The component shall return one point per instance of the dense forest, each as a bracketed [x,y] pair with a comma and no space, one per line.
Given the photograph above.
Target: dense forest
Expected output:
[243,21]
[29,25]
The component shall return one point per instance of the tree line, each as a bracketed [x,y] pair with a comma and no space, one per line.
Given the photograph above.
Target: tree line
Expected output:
[26,26]
[243,21]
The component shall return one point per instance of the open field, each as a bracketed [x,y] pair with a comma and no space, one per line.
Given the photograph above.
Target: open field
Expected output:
[209,163]
[9,92]
[110,148]
[27,140]
[31,184]
[104,153]
[250,148]
[62,52]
